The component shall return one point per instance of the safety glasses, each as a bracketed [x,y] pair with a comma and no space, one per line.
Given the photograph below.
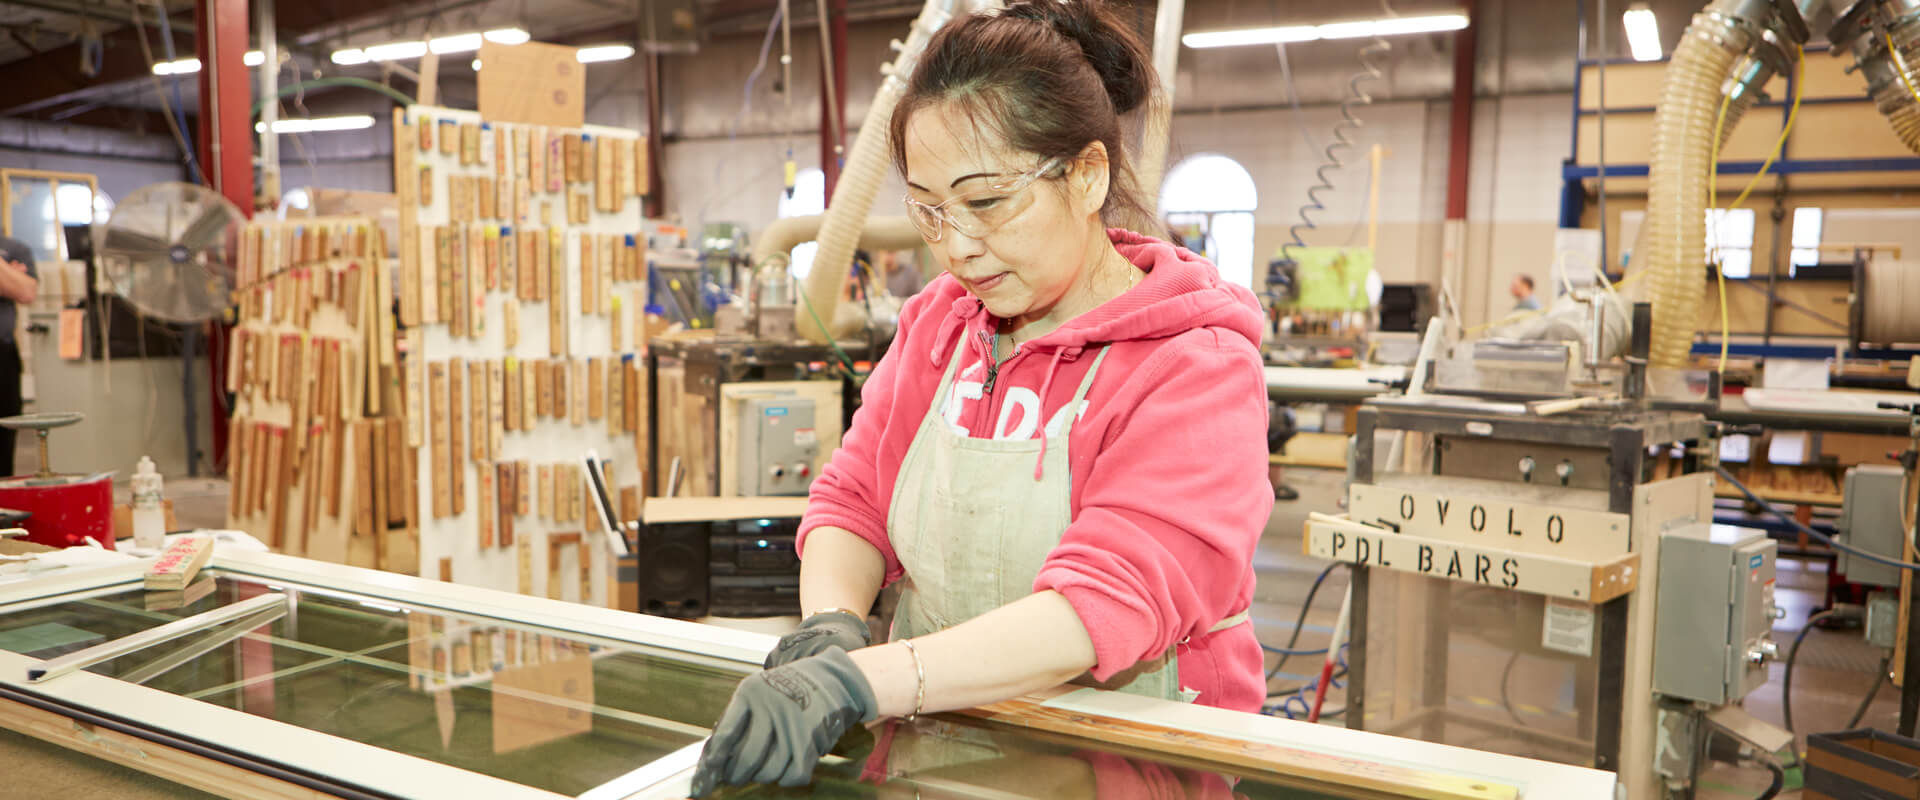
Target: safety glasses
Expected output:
[978,213]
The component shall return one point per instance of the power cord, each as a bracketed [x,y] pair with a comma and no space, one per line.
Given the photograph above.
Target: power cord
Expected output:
[1811,533]
[1793,653]
[1305,605]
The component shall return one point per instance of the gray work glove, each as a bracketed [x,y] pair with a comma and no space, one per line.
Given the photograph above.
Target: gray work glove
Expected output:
[818,633]
[783,720]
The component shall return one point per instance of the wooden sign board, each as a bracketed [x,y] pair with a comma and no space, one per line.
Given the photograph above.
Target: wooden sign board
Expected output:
[532,83]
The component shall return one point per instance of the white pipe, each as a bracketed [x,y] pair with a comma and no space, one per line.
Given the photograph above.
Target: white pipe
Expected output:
[1152,166]
[776,243]
[860,180]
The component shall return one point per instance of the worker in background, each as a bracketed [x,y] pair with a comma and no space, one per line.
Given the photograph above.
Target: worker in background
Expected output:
[1061,454]
[1522,290]
[903,277]
[19,285]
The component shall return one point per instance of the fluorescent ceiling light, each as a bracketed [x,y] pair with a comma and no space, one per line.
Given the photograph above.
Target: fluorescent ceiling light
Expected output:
[611,52]
[476,65]
[458,43]
[1643,32]
[1392,26]
[185,66]
[507,36]
[395,51]
[1290,34]
[349,56]
[351,122]
[188,66]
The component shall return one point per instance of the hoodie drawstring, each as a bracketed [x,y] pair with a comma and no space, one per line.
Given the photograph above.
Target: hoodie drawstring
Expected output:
[1053,367]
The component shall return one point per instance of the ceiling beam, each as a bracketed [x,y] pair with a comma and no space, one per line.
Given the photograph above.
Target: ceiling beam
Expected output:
[49,77]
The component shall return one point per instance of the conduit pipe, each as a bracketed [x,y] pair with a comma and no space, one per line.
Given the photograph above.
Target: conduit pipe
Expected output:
[1152,165]
[866,168]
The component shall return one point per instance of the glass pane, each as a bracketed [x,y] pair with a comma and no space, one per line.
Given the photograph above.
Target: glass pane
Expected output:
[1805,258]
[1209,183]
[1806,227]
[1730,228]
[1737,263]
[1234,232]
[33,218]
[950,757]
[519,703]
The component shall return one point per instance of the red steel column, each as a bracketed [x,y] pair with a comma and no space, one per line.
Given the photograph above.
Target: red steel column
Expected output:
[226,152]
[833,121]
[1460,129]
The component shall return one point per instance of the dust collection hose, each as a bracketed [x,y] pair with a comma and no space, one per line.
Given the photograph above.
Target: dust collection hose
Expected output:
[866,168]
[1679,169]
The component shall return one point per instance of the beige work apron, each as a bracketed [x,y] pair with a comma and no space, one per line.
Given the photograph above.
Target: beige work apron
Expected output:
[972,527]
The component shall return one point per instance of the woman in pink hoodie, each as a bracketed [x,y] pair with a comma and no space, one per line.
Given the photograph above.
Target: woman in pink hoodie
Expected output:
[1062,454]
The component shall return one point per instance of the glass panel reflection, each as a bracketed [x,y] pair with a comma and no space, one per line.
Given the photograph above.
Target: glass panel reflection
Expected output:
[960,758]
[514,702]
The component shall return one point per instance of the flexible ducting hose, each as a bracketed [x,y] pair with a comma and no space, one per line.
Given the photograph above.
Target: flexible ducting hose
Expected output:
[1896,85]
[775,244]
[1677,191]
[866,168]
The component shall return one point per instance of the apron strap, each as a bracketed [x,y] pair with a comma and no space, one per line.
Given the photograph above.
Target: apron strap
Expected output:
[1080,394]
[1234,621]
[939,407]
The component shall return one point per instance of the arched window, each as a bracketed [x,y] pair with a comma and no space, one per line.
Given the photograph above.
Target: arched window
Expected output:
[809,197]
[1210,199]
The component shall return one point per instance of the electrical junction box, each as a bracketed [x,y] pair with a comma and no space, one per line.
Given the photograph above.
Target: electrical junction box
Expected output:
[1870,520]
[1714,613]
[778,445]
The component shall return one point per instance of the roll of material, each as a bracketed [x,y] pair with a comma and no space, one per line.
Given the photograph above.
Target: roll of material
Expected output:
[1890,302]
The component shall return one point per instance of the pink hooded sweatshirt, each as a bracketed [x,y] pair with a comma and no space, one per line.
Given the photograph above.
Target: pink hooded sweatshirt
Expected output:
[1169,456]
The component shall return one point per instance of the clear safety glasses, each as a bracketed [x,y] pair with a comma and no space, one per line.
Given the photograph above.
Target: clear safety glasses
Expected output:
[980,212]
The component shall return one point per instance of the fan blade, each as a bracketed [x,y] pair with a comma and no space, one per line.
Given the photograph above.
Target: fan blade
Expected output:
[134,244]
[206,229]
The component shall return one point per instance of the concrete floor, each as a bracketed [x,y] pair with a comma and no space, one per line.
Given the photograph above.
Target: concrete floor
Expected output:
[1834,671]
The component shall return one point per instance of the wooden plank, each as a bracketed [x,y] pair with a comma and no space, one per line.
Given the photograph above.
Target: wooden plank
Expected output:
[509,262]
[603,295]
[523,483]
[589,272]
[496,408]
[529,394]
[1256,759]
[277,456]
[523,561]
[544,503]
[510,387]
[615,395]
[443,272]
[398,511]
[442,455]
[376,496]
[577,392]
[508,499]
[487,507]
[363,471]
[543,385]
[478,414]
[457,293]
[557,300]
[416,390]
[457,435]
[216,777]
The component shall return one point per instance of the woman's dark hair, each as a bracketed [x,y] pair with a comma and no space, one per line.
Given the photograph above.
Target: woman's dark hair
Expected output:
[1050,76]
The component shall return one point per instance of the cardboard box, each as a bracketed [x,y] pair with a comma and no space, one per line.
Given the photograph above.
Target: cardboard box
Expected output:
[123,519]
[532,84]
[1862,764]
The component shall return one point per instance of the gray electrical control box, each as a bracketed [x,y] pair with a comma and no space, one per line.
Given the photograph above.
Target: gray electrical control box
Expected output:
[1715,612]
[778,445]
[1870,520]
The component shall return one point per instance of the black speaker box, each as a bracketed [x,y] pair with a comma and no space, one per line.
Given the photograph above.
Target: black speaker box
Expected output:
[671,564]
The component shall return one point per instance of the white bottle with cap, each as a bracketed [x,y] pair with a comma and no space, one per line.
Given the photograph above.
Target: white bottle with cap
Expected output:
[149,517]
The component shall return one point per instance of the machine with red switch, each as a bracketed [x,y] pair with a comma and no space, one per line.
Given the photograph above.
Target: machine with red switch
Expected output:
[62,510]
[778,445]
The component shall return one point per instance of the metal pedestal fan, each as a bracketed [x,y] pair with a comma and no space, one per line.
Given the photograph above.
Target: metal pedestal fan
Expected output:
[169,250]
